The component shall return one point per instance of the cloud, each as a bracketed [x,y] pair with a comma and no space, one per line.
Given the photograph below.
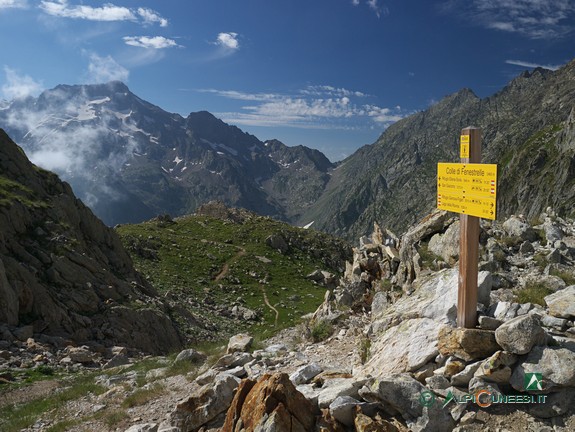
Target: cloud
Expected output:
[374,6]
[19,86]
[107,12]
[535,19]
[154,42]
[531,65]
[105,69]
[13,4]
[63,135]
[228,41]
[315,107]
[149,16]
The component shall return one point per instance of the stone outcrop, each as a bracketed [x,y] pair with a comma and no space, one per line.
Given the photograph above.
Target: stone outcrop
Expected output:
[63,272]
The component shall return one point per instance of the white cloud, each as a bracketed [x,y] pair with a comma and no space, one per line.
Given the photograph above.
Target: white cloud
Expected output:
[107,12]
[355,2]
[315,107]
[19,86]
[149,16]
[13,4]
[104,69]
[154,42]
[535,19]
[228,41]
[531,65]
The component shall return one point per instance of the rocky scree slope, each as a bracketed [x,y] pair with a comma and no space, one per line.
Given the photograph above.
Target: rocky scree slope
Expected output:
[391,339]
[130,160]
[528,130]
[64,276]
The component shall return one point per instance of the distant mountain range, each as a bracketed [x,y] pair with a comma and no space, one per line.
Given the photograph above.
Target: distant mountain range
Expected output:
[129,160]
[528,130]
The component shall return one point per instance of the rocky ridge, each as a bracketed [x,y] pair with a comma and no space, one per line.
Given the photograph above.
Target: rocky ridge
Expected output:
[527,130]
[391,358]
[65,278]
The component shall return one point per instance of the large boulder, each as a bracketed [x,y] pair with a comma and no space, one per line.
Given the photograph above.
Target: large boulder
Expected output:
[405,395]
[205,404]
[270,404]
[404,348]
[556,366]
[561,304]
[520,334]
[467,344]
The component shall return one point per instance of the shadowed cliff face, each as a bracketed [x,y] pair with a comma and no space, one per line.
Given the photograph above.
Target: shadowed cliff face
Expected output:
[527,130]
[63,271]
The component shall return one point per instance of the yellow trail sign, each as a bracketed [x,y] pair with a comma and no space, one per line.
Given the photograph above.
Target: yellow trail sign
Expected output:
[467,188]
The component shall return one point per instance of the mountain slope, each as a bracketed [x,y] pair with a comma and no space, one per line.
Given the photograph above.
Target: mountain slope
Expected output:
[130,160]
[527,130]
[63,273]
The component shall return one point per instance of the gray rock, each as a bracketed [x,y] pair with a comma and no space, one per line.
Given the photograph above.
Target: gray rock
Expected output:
[526,248]
[520,334]
[462,378]
[497,368]
[402,393]
[310,392]
[239,343]
[517,227]
[206,404]
[343,409]
[552,322]
[233,360]
[484,285]
[552,231]
[403,348]
[305,373]
[489,323]
[190,355]
[117,360]
[333,388]
[556,365]
[477,384]
[146,427]
[23,333]
[562,303]
[446,245]
[505,310]
[276,241]
[437,382]
[81,355]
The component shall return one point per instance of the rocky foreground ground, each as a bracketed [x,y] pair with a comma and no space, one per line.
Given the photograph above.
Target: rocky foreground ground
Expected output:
[381,353]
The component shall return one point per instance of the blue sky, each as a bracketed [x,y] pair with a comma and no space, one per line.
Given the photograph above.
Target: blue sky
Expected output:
[329,74]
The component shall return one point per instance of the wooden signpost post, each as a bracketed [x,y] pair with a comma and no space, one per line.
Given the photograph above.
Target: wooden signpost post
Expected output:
[468,188]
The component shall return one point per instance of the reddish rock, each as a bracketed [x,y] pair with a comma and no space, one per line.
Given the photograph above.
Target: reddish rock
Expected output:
[467,344]
[271,403]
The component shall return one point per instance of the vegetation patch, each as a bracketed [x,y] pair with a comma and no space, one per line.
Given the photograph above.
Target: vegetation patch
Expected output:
[567,276]
[321,330]
[533,293]
[212,265]
[17,417]
[11,191]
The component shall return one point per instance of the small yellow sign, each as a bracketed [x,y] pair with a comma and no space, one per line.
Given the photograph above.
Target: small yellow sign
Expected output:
[464,146]
[467,188]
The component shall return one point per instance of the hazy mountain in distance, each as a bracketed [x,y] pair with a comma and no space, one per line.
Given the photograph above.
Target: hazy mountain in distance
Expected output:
[130,160]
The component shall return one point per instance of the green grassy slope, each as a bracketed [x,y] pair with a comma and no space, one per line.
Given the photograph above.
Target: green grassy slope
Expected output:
[209,265]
